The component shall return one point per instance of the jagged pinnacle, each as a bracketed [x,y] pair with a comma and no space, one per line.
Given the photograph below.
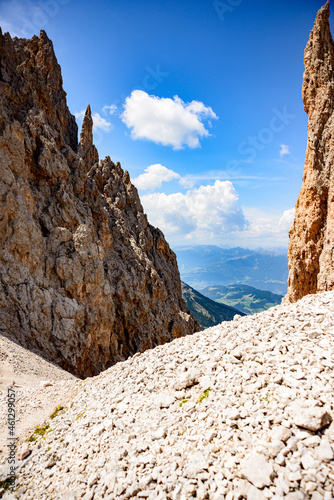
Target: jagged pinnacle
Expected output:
[324,10]
[86,136]
[86,148]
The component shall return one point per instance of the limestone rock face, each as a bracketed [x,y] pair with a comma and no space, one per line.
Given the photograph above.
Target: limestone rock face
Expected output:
[84,278]
[311,249]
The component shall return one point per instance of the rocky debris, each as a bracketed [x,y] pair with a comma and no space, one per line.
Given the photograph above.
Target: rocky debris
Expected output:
[85,280]
[131,432]
[37,385]
[23,452]
[257,470]
[313,419]
[311,249]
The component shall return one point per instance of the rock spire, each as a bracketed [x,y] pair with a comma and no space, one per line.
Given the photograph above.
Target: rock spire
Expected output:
[86,147]
[311,249]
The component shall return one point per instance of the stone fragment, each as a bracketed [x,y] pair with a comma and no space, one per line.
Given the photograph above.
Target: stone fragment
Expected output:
[280,433]
[188,379]
[308,461]
[241,487]
[317,496]
[255,494]
[295,495]
[45,383]
[93,479]
[165,400]
[282,485]
[324,452]
[312,441]
[257,470]
[313,418]
[160,433]
[205,383]
[23,452]
[274,448]
[196,465]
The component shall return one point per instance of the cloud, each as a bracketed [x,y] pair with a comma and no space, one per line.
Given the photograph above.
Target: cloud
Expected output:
[166,121]
[286,219]
[99,123]
[266,227]
[154,176]
[202,213]
[190,180]
[285,150]
[111,110]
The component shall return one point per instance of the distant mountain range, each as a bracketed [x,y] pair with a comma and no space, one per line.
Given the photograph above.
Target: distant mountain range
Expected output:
[208,265]
[206,311]
[246,298]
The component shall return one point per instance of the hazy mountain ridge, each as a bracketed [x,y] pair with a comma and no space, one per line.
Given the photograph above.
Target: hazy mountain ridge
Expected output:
[209,265]
[206,311]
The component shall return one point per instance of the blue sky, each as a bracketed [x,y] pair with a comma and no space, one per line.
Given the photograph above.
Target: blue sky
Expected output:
[199,100]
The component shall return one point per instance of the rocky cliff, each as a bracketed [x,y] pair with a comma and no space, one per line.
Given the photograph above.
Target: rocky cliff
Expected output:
[311,249]
[84,278]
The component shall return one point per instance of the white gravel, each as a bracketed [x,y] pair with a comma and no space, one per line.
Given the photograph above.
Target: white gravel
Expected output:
[30,376]
[146,428]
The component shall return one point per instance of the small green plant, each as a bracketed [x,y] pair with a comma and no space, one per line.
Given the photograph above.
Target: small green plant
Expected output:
[39,431]
[204,395]
[266,398]
[184,401]
[80,415]
[57,410]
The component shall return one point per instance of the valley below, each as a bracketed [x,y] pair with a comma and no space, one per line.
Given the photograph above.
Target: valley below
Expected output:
[210,265]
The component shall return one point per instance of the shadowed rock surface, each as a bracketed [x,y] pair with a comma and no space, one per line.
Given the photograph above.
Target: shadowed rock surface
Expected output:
[311,249]
[84,278]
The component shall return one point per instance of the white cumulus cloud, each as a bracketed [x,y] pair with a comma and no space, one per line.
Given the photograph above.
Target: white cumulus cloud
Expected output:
[99,123]
[109,110]
[267,228]
[286,219]
[285,150]
[170,122]
[202,213]
[154,176]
